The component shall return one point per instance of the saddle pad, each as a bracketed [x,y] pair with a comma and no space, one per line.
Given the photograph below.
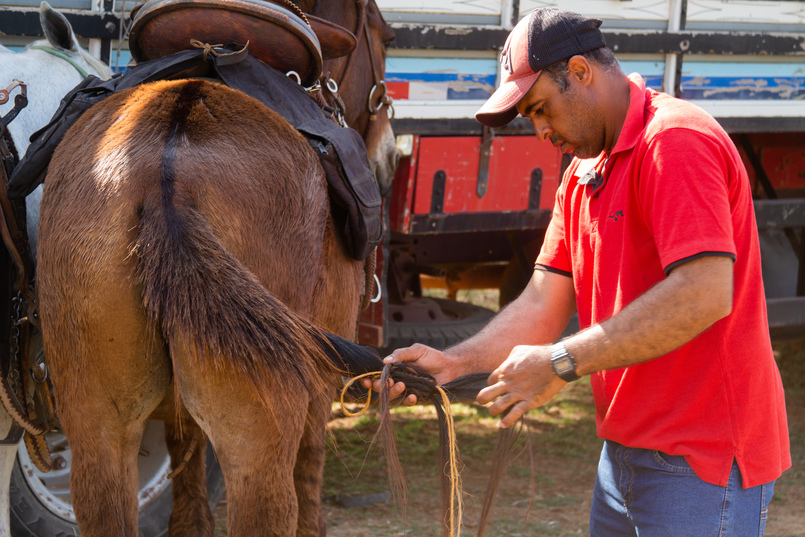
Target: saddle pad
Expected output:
[276,35]
[354,194]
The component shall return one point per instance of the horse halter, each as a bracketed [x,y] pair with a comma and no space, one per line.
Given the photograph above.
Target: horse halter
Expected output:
[378,92]
[379,85]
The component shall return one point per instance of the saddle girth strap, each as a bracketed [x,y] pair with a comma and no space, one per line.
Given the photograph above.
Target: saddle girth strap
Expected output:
[12,229]
[13,236]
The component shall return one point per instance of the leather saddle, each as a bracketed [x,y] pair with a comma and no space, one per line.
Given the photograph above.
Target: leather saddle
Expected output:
[284,38]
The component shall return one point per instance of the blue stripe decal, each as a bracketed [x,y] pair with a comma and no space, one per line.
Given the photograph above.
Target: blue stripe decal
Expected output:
[746,87]
[392,76]
[743,70]
[653,81]
[444,65]
[644,68]
[468,93]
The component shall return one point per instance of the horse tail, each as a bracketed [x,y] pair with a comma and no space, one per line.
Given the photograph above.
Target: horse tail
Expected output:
[196,290]
[350,357]
[199,295]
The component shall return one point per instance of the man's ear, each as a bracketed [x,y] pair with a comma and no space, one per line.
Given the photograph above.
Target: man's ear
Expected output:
[580,70]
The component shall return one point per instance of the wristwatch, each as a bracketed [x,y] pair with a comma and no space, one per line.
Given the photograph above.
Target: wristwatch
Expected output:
[563,363]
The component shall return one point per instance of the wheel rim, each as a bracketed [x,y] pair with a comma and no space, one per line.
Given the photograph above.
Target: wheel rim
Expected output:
[53,488]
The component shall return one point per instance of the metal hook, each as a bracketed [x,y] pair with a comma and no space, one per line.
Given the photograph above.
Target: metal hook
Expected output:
[294,74]
[379,291]
[43,369]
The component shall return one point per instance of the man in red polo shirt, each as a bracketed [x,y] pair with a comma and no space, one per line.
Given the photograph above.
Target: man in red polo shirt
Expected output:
[653,240]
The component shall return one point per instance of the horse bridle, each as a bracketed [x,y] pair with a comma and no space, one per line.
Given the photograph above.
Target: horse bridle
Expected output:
[362,32]
[379,85]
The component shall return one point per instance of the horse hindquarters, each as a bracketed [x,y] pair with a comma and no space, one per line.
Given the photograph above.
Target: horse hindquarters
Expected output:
[203,182]
[251,372]
[249,394]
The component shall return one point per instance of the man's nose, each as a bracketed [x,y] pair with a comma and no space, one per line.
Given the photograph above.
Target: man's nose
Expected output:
[541,129]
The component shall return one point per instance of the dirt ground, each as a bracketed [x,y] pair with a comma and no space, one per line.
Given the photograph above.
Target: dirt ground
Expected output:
[565,451]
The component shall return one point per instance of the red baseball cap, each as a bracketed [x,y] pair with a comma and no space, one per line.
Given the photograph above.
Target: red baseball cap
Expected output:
[543,37]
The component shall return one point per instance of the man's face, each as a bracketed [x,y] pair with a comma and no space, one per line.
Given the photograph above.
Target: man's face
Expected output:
[568,119]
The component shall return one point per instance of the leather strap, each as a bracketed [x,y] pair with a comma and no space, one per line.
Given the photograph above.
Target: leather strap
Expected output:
[13,237]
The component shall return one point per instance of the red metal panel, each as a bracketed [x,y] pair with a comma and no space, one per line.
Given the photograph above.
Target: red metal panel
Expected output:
[782,157]
[515,157]
[458,157]
[785,167]
[512,160]
[402,192]
[397,90]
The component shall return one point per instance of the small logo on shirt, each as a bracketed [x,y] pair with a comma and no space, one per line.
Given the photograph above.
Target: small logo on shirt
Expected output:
[617,215]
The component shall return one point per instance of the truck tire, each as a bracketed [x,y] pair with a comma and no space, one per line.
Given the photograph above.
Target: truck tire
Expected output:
[460,321]
[40,504]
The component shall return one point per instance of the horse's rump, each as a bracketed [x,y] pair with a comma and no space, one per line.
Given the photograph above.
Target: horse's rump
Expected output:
[188,184]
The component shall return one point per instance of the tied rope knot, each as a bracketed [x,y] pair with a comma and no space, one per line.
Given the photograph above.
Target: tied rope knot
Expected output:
[424,387]
[210,49]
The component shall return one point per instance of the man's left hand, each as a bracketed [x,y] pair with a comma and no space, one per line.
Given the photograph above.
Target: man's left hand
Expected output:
[525,380]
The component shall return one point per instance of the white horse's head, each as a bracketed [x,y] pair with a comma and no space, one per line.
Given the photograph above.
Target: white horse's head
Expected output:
[50,68]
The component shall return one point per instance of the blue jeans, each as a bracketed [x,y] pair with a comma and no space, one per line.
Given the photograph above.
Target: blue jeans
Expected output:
[647,493]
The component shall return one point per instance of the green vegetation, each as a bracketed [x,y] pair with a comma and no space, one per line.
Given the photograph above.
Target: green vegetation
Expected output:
[546,490]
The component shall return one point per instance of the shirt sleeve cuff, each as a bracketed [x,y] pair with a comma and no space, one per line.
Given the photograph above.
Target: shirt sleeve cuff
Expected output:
[546,268]
[694,257]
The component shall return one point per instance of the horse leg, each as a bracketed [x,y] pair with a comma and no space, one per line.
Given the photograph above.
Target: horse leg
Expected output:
[339,283]
[310,467]
[103,479]
[256,436]
[109,374]
[191,515]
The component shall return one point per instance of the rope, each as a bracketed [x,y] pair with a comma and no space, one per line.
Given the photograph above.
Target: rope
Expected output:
[297,10]
[38,452]
[374,375]
[210,49]
[14,410]
[191,449]
[456,504]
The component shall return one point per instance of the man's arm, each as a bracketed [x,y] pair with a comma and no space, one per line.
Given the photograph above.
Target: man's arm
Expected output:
[537,317]
[693,297]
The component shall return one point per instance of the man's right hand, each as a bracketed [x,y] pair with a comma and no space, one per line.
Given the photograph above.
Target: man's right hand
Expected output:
[428,359]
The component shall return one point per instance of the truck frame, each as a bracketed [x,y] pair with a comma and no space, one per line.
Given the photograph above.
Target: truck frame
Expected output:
[470,205]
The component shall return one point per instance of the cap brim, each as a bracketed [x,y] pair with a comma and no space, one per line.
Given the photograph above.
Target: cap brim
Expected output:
[500,108]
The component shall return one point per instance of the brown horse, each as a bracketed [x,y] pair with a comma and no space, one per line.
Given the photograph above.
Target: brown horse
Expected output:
[186,246]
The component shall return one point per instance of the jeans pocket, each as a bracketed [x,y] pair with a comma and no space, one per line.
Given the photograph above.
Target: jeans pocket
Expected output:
[672,463]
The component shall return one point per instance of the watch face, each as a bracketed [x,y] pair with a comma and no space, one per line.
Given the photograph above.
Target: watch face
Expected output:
[563,364]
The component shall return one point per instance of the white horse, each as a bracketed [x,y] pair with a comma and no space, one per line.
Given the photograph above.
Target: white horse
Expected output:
[50,68]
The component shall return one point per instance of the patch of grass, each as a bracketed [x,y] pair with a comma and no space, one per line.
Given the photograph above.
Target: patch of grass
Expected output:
[486,298]
[560,501]
[561,432]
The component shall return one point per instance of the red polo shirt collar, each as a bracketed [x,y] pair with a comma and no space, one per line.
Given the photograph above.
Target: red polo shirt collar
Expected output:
[635,117]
